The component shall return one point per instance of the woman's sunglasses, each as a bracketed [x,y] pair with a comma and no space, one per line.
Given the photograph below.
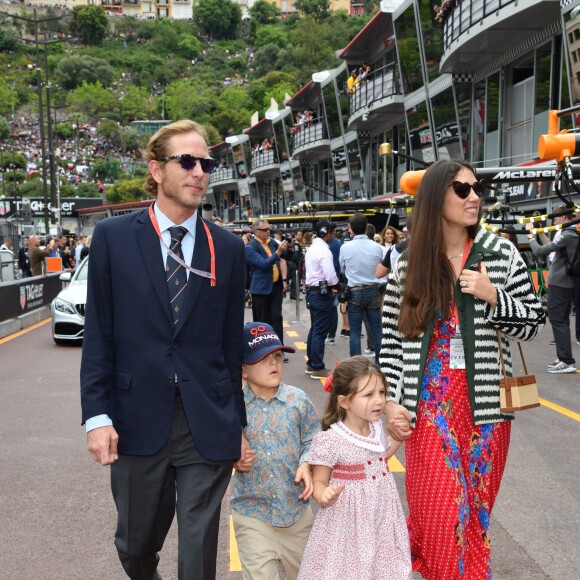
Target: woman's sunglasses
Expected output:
[464,189]
[188,162]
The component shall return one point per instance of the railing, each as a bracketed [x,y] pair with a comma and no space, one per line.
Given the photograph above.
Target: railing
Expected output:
[465,14]
[226,173]
[305,135]
[381,84]
[263,158]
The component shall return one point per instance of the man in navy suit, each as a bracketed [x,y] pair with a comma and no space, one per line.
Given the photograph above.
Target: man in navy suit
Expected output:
[269,280]
[161,367]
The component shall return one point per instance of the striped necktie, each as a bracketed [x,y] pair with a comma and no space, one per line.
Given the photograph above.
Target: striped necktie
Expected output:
[176,274]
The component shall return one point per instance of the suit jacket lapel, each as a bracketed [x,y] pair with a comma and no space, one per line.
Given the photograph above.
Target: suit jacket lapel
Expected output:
[150,249]
[200,261]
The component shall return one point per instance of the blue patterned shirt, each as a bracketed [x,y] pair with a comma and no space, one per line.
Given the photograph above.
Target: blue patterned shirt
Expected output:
[280,432]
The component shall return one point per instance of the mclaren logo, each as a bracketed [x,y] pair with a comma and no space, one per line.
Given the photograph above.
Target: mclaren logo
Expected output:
[525,174]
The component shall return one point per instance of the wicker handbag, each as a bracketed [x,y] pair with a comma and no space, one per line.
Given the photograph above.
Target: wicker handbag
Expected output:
[517,393]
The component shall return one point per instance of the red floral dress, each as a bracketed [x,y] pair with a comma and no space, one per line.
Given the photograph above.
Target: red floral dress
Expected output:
[454,470]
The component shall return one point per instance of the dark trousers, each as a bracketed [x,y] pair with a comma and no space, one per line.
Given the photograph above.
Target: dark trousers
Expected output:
[333,320]
[321,307]
[268,308]
[149,490]
[559,304]
[577,306]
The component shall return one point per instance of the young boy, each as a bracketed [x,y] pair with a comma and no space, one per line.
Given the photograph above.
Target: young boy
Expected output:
[271,514]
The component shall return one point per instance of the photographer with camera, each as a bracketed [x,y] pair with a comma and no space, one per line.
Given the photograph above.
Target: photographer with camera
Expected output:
[269,281]
[321,281]
[358,262]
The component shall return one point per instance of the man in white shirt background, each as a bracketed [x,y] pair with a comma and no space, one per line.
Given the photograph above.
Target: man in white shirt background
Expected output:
[320,279]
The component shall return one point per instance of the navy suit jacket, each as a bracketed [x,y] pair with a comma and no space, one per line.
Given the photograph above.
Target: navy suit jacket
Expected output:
[132,351]
[262,265]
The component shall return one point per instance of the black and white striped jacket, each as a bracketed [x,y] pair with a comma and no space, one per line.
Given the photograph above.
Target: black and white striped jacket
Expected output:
[518,315]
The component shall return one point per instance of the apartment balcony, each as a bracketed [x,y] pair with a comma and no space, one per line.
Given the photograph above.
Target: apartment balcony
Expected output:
[265,164]
[477,32]
[377,101]
[224,178]
[311,142]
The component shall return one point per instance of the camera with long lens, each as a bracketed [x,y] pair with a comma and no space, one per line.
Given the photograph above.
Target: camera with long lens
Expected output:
[343,293]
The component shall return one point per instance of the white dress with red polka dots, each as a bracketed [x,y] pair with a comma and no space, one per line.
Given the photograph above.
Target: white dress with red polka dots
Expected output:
[363,535]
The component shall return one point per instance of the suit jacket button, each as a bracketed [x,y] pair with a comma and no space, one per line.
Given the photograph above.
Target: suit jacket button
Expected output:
[170,380]
[175,346]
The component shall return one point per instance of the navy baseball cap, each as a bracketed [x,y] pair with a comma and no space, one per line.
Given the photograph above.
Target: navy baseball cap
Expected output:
[259,341]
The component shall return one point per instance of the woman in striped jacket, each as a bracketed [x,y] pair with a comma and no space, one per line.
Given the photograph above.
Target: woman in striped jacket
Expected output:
[450,291]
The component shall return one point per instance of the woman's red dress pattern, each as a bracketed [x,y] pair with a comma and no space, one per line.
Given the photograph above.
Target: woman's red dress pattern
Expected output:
[454,470]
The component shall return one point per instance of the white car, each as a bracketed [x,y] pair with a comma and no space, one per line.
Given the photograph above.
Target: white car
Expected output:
[68,308]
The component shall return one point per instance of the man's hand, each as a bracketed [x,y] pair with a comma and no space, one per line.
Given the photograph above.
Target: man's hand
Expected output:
[282,247]
[102,444]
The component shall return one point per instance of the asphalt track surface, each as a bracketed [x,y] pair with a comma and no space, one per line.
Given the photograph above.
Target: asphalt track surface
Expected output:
[57,517]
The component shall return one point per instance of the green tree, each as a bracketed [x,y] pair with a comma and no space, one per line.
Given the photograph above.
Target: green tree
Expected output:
[132,139]
[233,111]
[217,18]
[266,59]
[92,101]
[189,46]
[277,35]
[311,48]
[273,85]
[126,27]
[318,9]
[136,104]
[13,160]
[73,70]
[84,190]
[264,12]
[8,98]
[90,23]
[110,130]
[8,41]
[126,190]
[191,99]
[4,128]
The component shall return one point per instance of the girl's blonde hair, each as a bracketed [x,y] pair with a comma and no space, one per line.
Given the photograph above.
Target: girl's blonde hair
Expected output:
[344,383]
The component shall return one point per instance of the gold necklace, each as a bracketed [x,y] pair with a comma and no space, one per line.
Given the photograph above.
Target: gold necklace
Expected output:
[454,258]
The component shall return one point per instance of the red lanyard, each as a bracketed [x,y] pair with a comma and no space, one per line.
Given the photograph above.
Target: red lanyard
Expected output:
[465,256]
[210,274]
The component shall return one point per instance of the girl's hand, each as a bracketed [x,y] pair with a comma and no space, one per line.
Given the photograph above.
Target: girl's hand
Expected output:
[479,285]
[401,422]
[304,474]
[331,494]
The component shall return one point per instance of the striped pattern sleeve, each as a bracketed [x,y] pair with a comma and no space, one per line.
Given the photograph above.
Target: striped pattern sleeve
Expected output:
[391,356]
[518,314]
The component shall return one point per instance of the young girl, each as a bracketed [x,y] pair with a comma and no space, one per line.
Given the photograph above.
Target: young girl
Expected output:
[359,530]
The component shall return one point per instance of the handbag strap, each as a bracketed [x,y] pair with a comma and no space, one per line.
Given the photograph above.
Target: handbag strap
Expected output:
[501,355]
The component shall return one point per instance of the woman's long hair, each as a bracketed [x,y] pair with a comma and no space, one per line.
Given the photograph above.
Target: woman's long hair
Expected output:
[345,382]
[429,280]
